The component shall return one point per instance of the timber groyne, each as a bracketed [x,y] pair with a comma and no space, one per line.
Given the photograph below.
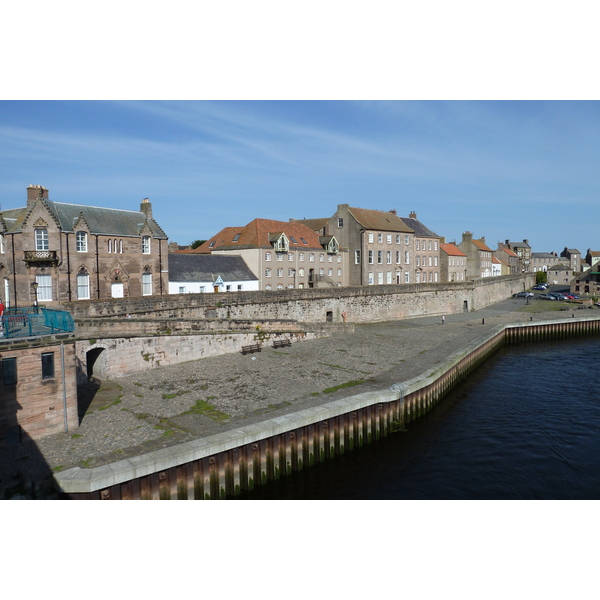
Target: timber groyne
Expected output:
[225,464]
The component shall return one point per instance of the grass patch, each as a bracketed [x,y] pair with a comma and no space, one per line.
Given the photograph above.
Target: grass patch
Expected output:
[113,403]
[170,396]
[202,407]
[343,385]
[76,436]
[58,468]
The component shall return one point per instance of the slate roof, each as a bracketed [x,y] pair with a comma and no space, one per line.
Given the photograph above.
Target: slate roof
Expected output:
[509,252]
[418,227]
[379,220]
[207,267]
[452,250]
[314,224]
[256,234]
[103,221]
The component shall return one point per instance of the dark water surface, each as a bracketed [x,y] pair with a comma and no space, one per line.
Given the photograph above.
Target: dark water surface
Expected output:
[526,425]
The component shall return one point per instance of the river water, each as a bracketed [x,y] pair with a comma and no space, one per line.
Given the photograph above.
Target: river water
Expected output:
[526,425]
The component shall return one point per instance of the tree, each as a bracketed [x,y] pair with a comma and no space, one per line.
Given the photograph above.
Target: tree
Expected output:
[541,277]
[196,243]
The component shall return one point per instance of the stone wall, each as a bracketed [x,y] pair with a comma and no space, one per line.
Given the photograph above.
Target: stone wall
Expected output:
[34,406]
[361,304]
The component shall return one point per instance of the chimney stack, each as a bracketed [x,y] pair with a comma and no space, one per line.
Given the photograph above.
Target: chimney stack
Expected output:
[146,208]
[34,192]
[394,212]
[412,215]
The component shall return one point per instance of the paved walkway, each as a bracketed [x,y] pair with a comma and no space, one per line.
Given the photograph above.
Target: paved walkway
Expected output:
[169,405]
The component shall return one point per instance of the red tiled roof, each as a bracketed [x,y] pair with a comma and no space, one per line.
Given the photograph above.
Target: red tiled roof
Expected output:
[452,250]
[482,246]
[256,235]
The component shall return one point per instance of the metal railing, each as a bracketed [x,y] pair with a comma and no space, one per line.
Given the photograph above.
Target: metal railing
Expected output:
[32,321]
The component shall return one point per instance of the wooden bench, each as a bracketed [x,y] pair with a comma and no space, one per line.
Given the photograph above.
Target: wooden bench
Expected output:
[282,343]
[251,348]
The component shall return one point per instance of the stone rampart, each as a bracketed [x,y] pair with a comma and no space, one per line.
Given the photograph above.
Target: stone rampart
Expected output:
[360,304]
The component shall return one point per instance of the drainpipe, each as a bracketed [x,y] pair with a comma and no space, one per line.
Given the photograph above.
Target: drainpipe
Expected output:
[14,270]
[97,271]
[160,275]
[62,363]
[68,267]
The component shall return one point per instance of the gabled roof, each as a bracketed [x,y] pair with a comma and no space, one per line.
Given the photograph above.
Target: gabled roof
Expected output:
[482,246]
[256,234]
[496,261]
[206,267]
[452,250]
[314,224]
[103,221]
[509,252]
[418,227]
[378,220]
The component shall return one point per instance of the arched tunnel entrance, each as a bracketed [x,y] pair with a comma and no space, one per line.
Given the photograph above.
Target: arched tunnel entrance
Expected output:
[95,360]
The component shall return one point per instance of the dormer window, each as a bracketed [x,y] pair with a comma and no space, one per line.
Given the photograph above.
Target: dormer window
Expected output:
[237,237]
[211,244]
[281,243]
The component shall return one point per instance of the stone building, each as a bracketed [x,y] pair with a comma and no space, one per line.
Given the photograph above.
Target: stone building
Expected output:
[574,257]
[592,257]
[380,245]
[38,383]
[523,251]
[479,256]
[508,258]
[542,261]
[52,252]
[453,263]
[426,250]
[283,255]
[559,274]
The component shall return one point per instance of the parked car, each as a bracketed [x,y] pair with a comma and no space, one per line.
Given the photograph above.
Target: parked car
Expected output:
[540,286]
[523,295]
[569,296]
[546,297]
[559,296]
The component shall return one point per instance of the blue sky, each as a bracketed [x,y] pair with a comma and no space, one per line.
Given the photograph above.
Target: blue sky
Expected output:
[500,169]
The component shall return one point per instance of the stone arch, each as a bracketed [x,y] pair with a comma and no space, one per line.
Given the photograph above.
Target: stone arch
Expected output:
[95,360]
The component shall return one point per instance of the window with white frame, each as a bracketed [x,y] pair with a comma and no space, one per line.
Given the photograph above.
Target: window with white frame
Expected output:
[430,276]
[418,245]
[81,241]
[340,223]
[267,256]
[371,238]
[389,257]
[406,258]
[389,238]
[371,278]
[146,244]
[435,261]
[357,257]
[398,257]
[291,272]
[311,257]
[380,278]
[321,258]
[83,286]
[435,245]
[398,238]
[182,289]
[430,245]
[301,257]
[435,276]
[290,257]
[300,272]
[406,277]
[370,257]
[379,257]
[267,272]
[339,272]
[329,258]
[279,272]
[339,258]
[430,261]
[280,286]
[330,272]
[44,290]
[146,284]
[109,246]
[41,240]
[279,256]
[418,261]
[321,272]
[389,277]
[407,239]
[268,287]
[2,250]
[380,238]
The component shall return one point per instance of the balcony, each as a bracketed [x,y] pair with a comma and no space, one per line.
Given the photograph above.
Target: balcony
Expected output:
[46,257]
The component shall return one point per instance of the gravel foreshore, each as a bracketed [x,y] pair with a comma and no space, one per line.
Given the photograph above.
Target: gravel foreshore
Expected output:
[169,405]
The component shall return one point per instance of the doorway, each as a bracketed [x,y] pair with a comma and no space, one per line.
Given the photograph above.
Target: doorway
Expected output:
[116,290]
